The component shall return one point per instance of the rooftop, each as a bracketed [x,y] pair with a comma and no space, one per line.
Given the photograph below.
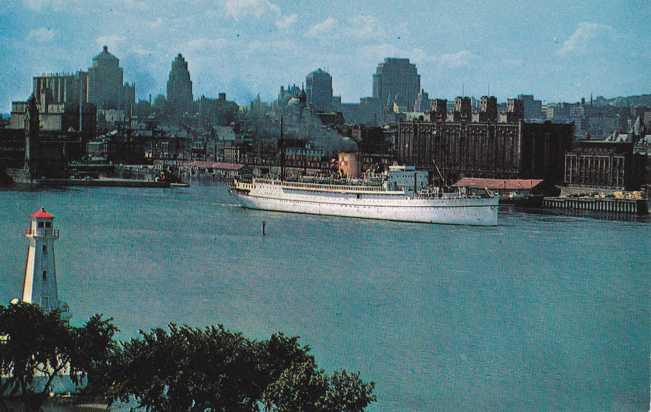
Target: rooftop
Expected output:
[497,184]
[42,214]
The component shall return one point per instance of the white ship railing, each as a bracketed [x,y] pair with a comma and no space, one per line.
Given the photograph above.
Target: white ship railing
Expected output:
[326,187]
[357,189]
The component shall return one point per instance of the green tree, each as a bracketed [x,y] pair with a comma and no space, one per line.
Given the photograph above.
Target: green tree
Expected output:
[347,392]
[92,353]
[189,369]
[304,387]
[277,354]
[301,387]
[37,347]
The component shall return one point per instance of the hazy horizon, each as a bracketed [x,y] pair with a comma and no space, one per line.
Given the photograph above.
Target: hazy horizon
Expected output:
[556,51]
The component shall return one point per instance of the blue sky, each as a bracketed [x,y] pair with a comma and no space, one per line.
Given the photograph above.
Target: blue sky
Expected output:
[557,50]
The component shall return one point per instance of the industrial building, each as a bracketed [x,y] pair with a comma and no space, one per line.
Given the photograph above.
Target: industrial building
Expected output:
[486,144]
[604,165]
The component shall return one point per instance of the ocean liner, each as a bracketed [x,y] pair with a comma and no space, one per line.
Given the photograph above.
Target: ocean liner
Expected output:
[402,196]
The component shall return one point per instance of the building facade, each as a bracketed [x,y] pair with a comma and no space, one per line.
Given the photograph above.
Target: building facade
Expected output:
[179,87]
[62,88]
[396,80]
[35,152]
[532,107]
[318,87]
[604,165]
[106,89]
[369,111]
[456,147]
[57,115]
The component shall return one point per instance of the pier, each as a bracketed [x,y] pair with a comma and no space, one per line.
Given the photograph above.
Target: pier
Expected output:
[609,205]
[107,182]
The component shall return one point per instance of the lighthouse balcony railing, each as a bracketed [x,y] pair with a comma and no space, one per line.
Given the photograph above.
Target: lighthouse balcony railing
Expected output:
[54,233]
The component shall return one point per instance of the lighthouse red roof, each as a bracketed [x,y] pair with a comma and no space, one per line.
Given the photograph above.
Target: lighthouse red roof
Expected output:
[42,214]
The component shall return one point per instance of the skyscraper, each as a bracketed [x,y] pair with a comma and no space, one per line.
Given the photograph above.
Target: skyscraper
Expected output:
[396,80]
[318,87]
[532,107]
[179,87]
[422,103]
[105,83]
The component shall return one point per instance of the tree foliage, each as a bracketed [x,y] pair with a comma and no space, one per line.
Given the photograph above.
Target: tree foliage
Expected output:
[187,369]
[179,368]
[37,347]
[304,387]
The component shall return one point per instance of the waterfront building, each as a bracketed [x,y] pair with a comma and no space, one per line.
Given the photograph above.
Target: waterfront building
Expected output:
[56,117]
[40,277]
[396,80]
[179,87]
[599,165]
[62,104]
[506,149]
[106,89]
[318,88]
[29,152]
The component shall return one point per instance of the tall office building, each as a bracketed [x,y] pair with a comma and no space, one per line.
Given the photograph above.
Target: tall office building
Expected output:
[318,87]
[61,88]
[179,87]
[106,89]
[423,102]
[532,107]
[396,80]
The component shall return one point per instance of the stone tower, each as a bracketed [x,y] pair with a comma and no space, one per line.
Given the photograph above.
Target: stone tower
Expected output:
[40,280]
[179,87]
[32,127]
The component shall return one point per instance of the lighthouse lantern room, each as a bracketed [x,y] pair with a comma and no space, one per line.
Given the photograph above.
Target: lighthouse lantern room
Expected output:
[40,281]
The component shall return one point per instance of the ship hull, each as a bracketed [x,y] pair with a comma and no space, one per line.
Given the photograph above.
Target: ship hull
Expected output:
[456,211]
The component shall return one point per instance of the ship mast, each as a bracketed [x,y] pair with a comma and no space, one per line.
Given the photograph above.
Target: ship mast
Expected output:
[282,151]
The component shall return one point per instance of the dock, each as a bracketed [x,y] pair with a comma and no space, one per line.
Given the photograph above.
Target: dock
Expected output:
[109,182]
[608,205]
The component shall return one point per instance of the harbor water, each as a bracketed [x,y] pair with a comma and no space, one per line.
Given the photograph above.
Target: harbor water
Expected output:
[543,312]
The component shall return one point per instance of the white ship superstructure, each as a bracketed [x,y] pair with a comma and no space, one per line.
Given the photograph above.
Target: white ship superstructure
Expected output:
[393,200]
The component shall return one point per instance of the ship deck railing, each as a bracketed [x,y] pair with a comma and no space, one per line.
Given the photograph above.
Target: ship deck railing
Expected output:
[375,189]
[323,186]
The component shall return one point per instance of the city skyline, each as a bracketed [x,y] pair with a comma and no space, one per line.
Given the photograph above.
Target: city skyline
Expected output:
[254,46]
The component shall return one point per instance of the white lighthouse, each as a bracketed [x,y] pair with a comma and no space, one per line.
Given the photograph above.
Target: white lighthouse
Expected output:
[40,281]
